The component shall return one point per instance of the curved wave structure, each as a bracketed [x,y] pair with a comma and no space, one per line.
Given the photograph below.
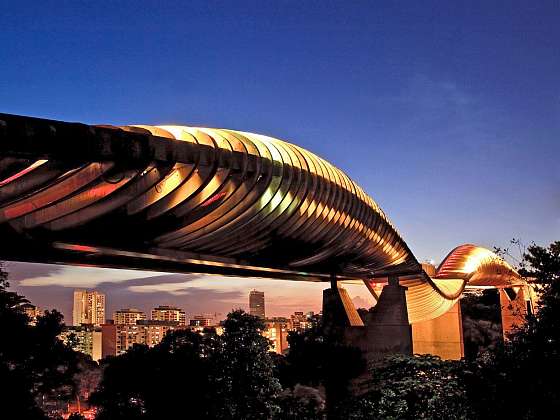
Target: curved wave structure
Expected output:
[277,205]
[223,201]
[466,266]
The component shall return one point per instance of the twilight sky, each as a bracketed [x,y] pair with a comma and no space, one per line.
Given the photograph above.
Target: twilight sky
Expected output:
[447,113]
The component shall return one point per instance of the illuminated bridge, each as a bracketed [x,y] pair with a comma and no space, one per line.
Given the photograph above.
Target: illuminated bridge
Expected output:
[193,199]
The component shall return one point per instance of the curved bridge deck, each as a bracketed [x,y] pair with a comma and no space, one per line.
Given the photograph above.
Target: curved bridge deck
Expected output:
[193,199]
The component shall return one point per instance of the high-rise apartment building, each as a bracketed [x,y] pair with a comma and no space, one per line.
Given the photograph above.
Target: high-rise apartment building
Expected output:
[169,313]
[89,307]
[128,316]
[109,339]
[118,338]
[276,330]
[152,332]
[256,303]
[85,338]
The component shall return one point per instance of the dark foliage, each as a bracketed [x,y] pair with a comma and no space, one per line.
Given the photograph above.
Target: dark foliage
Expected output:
[36,368]
[320,360]
[516,380]
[300,403]
[206,376]
[529,363]
[414,387]
[244,379]
[482,323]
[233,376]
[363,312]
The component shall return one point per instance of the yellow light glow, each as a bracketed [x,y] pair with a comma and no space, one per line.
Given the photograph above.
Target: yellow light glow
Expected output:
[476,258]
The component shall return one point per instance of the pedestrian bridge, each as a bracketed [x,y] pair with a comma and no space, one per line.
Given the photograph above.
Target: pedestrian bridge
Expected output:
[193,199]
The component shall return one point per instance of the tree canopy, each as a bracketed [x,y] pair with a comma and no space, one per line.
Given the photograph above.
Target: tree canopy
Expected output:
[414,387]
[529,363]
[36,368]
[227,376]
[234,376]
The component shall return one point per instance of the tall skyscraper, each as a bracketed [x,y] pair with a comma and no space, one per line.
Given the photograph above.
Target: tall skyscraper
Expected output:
[128,316]
[89,307]
[256,303]
[169,313]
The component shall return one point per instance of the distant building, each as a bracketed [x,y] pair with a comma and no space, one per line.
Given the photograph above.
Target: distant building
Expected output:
[108,339]
[201,321]
[128,316]
[276,330]
[152,332]
[89,307]
[169,313]
[256,303]
[126,337]
[32,312]
[300,321]
[314,319]
[118,338]
[85,338]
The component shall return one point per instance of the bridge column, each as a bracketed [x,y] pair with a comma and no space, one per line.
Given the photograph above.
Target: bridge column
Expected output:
[441,336]
[388,329]
[515,304]
[339,312]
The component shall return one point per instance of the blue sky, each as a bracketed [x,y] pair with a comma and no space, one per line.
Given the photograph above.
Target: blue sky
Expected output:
[447,113]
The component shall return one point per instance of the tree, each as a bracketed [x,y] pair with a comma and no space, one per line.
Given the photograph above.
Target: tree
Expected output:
[244,375]
[482,323]
[319,360]
[300,403]
[414,387]
[36,368]
[86,379]
[159,382]
[529,363]
[205,375]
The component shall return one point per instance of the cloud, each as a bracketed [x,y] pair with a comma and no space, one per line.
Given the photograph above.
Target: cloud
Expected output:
[77,277]
[184,286]
[19,271]
[50,286]
[427,95]
[445,109]
[360,302]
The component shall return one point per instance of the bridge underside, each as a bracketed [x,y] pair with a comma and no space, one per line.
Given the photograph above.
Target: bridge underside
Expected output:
[186,199]
[150,259]
[193,199]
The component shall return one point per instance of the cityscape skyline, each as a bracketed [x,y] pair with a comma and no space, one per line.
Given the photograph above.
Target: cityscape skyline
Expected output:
[95,334]
[227,294]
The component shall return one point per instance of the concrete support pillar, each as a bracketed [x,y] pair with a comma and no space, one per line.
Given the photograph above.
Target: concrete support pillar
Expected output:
[334,316]
[515,306]
[441,336]
[339,312]
[388,329]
